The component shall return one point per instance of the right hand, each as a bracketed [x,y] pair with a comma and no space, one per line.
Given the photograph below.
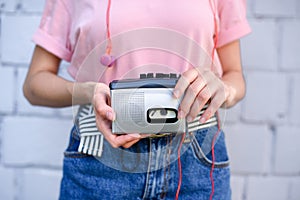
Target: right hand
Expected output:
[104,117]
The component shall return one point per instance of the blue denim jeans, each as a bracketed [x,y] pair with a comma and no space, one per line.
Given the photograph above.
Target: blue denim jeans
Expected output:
[149,169]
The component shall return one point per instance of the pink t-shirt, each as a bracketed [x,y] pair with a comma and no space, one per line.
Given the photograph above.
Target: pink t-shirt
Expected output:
[147,36]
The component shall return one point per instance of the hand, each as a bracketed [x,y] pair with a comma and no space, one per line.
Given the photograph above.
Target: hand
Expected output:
[105,115]
[198,87]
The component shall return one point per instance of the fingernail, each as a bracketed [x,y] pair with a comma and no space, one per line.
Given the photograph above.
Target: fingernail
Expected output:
[202,120]
[189,118]
[109,115]
[176,93]
[135,135]
[145,135]
[180,114]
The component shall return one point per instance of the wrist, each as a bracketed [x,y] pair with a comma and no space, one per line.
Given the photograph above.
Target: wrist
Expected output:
[82,93]
[230,96]
[100,89]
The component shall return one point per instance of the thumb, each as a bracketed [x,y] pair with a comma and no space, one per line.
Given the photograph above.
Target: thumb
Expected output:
[105,111]
[110,114]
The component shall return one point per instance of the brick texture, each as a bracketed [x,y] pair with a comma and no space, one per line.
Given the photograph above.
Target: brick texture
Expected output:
[7,88]
[294,107]
[295,192]
[249,148]
[287,160]
[33,5]
[232,115]
[46,181]
[34,141]
[262,188]
[276,8]
[237,184]
[290,31]
[267,97]
[7,187]
[8,5]
[261,55]
[16,38]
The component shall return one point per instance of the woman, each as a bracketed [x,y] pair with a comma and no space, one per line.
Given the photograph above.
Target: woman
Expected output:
[71,31]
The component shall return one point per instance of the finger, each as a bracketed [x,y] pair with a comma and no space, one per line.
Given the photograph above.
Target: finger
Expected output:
[104,110]
[197,106]
[214,105]
[184,81]
[202,98]
[103,125]
[115,140]
[146,135]
[129,144]
[101,101]
[122,140]
[190,96]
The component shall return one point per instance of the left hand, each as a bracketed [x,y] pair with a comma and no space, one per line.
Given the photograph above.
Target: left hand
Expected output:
[198,87]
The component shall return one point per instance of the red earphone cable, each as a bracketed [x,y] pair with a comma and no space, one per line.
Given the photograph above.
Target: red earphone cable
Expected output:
[108,37]
[215,36]
[213,7]
[213,158]
[179,166]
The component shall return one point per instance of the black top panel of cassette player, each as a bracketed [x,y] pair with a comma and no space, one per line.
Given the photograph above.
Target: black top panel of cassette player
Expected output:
[160,80]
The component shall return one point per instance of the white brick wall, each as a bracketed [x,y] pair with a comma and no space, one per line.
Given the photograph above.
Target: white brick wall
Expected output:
[262,132]
[7,184]
[34,141]
[249,147]
[262,188]
[40,184]
[16,32]
[288,45]
[8,5]
[267,97]
[231,116]
[262,55]
[237,184]
[276,8]
[33,5]
[294,107]
[287,159]
[7,88]
[294,191]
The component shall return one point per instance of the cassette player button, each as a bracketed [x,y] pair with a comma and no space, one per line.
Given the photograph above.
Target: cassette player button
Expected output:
[159,75]
[143,76]
[150,75]
[173,75]
[162,75]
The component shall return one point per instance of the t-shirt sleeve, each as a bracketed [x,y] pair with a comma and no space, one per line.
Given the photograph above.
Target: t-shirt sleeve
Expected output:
[53,31]
[233,23]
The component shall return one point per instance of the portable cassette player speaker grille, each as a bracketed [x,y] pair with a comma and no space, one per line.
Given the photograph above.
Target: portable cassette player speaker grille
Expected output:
[130,107]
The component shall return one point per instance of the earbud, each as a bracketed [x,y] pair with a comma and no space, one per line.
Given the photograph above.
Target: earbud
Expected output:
[107,60]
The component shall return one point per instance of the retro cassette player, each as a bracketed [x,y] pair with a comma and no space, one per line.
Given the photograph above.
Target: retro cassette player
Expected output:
[146,105]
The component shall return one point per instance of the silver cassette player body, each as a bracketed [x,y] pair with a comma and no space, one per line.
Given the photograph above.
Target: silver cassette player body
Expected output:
[146,106]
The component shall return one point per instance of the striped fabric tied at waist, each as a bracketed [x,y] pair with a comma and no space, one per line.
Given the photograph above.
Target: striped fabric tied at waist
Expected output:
[91,140]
